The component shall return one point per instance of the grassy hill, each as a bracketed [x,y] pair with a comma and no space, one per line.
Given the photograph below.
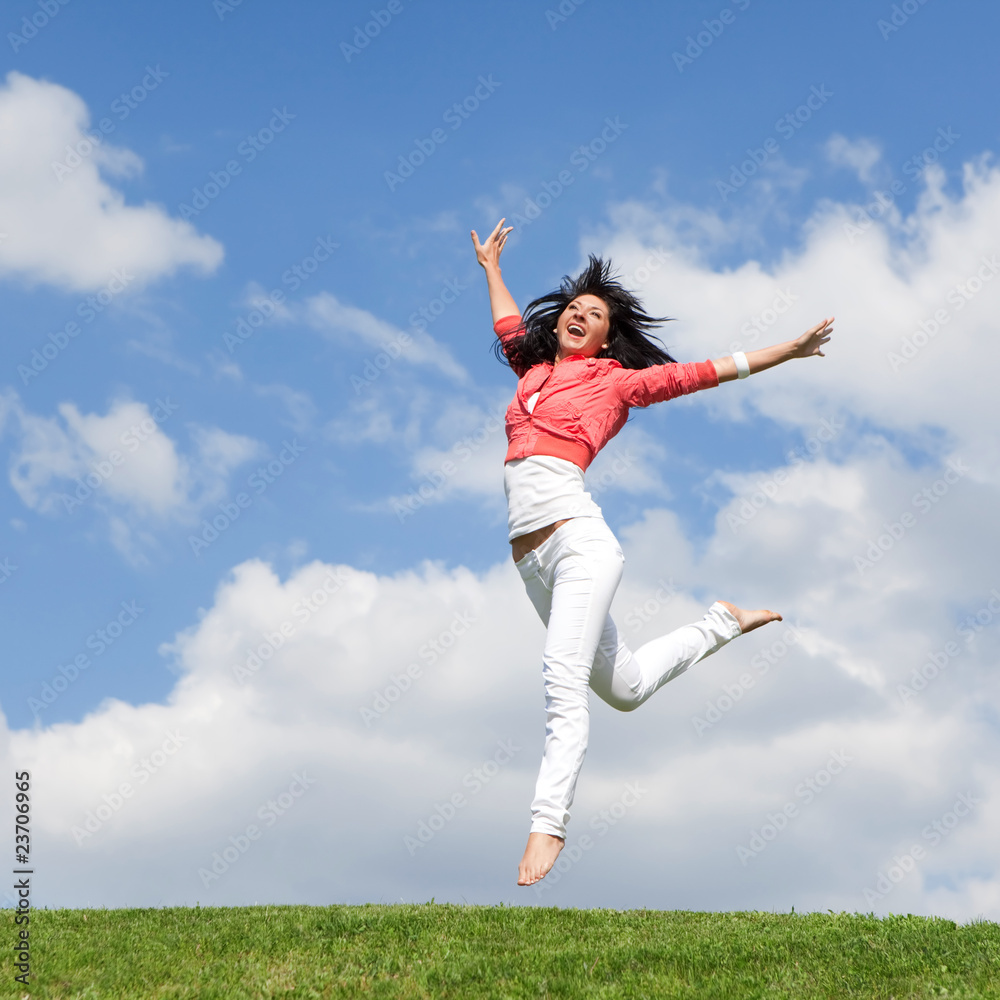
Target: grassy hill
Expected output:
[465,952]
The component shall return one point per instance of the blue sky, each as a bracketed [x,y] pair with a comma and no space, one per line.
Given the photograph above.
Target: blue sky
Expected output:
[258,135]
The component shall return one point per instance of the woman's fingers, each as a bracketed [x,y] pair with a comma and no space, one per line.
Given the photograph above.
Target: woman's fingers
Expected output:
[822,338]
[494,242]
[820,333]
[499,235]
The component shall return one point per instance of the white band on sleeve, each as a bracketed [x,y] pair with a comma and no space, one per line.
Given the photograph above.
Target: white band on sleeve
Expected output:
[742,365]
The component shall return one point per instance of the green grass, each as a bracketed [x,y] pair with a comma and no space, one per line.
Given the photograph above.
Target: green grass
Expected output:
[503,952]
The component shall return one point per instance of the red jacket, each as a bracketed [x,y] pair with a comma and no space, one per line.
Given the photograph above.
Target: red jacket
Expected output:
[584,402]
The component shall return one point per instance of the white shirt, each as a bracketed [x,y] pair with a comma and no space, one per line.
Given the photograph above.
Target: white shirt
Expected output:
[542,489]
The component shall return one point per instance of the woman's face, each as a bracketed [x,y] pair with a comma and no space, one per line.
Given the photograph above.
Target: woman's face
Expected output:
[583,327]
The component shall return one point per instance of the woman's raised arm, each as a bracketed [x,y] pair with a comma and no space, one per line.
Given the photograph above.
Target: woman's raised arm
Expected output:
[488,254]
[767,357]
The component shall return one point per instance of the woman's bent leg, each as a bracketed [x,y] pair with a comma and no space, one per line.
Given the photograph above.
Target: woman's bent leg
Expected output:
[625,678]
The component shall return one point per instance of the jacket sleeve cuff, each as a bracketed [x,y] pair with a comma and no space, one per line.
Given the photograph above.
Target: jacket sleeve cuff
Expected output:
[506,324]
[708,377]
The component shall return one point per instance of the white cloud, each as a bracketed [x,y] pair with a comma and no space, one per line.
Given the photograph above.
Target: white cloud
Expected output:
[471,459]
[273,676]
[123,462]
[876,554]
[891,361]
[257,297]
[355,327]
[75,231]
[368,421]
[301,410]
[859,155]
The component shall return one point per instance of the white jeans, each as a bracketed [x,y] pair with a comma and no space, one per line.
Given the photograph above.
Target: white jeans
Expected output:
[571,579]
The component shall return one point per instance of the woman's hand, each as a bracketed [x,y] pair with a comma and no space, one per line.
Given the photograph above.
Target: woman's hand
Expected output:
[806,346]
[488,253]
[812,340]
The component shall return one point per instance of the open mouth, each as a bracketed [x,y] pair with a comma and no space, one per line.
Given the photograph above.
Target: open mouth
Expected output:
[575,330]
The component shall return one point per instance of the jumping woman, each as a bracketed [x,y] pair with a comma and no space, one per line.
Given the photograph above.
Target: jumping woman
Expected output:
[583,359]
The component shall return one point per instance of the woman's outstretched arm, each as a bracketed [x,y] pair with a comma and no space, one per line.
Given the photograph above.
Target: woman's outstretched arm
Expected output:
[808,344]
[488,254]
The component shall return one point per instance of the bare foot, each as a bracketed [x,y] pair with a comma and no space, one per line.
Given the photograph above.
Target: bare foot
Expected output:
[539,856]
[749,620]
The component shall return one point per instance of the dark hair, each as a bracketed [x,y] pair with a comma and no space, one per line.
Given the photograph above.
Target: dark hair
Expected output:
[628,323]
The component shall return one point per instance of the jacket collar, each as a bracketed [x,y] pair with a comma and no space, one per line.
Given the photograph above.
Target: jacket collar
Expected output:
[568,358]
[597,361]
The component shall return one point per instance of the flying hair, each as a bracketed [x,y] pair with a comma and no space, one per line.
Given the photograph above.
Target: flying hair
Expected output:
[629,325]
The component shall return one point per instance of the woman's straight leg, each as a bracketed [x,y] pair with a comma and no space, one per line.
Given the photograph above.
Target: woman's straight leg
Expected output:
[571,579]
